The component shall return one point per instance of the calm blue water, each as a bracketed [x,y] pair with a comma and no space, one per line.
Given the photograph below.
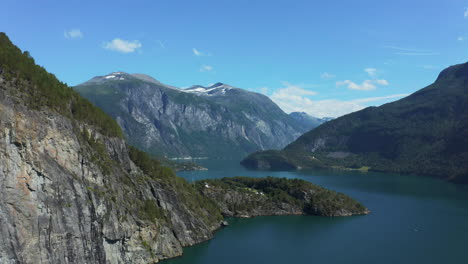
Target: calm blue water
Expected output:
[413,220]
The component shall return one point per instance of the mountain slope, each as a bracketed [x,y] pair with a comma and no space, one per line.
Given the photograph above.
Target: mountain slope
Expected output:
[425,133]
[214,121]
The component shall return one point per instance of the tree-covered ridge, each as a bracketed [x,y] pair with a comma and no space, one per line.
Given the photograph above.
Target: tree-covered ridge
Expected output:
[425,133]
[275,196]
[43,89]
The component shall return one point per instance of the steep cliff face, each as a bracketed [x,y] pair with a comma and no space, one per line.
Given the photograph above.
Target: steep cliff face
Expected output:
[214,121]
[69,193]
[61,204]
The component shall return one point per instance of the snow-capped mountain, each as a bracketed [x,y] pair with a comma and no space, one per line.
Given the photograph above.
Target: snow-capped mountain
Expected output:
[217,89]
[214,121]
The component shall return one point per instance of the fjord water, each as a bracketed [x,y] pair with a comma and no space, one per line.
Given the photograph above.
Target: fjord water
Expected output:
[414,220]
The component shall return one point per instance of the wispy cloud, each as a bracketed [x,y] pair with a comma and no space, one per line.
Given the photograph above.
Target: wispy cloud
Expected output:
[416,53]
[296,89]
[381,82]
[263,90]
[405,49]
[380,98]
[366,85]
[123,46]
[206,68]
[466,13]
[196,52]
[199,53]
[429,67]
[327,76]
[73,34]
[411,51]
[460,38]
[161,43]
[371,71]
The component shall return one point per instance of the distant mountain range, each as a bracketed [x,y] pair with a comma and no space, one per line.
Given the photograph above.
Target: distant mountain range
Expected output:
[425,133]
[215,121]
[310,122]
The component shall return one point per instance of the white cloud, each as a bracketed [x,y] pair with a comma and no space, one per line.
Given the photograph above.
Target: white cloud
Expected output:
[371,71]
[460,38]
[196,52]
[123,46]
[206,68]
[199,53]
[319,108]
[327,76]
[73,34]
[381,82]
[466,13]
[324,108]
[294,98]
[366,85]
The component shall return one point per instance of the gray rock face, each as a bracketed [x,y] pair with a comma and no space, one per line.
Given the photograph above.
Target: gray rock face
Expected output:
[214,121]
[59,205]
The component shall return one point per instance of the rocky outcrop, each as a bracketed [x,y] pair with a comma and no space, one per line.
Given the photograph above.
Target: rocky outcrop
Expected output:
[215,121]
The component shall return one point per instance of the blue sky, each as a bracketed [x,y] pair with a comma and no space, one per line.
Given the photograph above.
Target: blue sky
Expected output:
[326,58]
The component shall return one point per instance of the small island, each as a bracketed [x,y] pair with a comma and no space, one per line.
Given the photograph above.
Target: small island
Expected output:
[250,197]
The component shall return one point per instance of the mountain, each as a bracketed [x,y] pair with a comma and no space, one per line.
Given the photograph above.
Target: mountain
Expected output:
[307,120]
[425,133]
[73,191]
[215,121]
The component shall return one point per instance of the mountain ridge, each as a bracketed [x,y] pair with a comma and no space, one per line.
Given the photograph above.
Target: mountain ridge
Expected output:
[424,133]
